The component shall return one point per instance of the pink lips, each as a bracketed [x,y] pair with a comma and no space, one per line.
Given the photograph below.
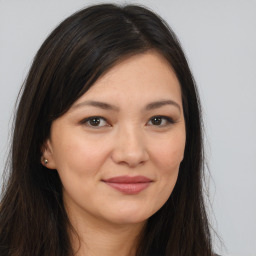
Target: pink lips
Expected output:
[129,185]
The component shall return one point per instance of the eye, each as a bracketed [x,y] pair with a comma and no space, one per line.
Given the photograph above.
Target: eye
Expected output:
[160,121]
[95,121]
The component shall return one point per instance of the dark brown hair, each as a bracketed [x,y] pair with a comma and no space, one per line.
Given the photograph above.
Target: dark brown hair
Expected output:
[33,220]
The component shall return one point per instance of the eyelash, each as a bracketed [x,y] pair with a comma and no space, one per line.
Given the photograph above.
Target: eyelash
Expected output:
[168,121]
[87,120]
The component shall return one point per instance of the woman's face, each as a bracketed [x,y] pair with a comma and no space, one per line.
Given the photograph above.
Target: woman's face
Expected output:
[118,148]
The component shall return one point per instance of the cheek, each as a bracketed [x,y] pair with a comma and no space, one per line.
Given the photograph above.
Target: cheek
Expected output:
[78,162]
[169,152]
[76,156]
[167,156]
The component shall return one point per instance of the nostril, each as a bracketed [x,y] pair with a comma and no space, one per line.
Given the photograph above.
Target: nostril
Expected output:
[130,158]
[130,148]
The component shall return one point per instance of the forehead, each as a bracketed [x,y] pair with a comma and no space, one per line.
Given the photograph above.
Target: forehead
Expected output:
[142,77]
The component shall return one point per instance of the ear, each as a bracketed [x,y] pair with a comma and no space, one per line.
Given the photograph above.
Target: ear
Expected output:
[47,157]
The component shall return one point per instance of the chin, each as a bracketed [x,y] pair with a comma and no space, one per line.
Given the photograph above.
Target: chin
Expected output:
[130,217]
[128,220]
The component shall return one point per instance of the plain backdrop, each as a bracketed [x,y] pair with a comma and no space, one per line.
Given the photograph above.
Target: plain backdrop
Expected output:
[219,39]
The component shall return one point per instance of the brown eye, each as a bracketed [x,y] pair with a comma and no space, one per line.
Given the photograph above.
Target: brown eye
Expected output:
[160,121]
[95,121]
[156,120]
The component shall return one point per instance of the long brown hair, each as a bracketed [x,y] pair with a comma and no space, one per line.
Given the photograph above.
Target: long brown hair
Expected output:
[33,220]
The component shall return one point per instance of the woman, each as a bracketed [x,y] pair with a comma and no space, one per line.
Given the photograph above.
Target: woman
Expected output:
[107,146]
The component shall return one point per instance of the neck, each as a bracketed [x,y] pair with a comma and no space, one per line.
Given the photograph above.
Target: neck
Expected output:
[97,238]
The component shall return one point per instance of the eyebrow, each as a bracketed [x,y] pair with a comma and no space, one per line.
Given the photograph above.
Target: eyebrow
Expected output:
[158,104]
[97,104]
[107,106]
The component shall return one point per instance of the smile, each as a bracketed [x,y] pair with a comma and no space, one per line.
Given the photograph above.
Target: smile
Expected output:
[129,185]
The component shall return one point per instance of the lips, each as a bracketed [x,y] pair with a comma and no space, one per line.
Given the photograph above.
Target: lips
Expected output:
[128,184]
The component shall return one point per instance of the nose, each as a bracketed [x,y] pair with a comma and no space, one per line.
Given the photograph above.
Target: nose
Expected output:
[130,147]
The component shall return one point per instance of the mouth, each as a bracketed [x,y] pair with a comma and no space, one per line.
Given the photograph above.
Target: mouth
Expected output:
[129,185]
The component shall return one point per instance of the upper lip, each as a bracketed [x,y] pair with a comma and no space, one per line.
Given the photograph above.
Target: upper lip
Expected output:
[128,179]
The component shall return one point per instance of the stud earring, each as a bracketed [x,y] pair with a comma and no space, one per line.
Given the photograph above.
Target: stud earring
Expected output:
[45,161]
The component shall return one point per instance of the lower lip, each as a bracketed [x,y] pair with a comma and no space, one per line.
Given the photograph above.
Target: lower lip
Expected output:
[129,188]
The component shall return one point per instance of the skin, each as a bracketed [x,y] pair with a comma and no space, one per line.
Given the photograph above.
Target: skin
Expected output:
[124,142]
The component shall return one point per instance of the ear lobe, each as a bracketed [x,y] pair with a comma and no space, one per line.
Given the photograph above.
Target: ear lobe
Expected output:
[47,158]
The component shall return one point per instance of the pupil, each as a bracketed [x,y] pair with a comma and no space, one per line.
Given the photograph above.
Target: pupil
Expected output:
[95,121]
[156,120]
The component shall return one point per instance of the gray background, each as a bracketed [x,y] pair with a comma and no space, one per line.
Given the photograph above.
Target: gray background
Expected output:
[219,38]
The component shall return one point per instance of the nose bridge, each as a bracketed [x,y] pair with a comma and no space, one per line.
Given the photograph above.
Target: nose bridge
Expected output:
[130,147]
[132,137]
